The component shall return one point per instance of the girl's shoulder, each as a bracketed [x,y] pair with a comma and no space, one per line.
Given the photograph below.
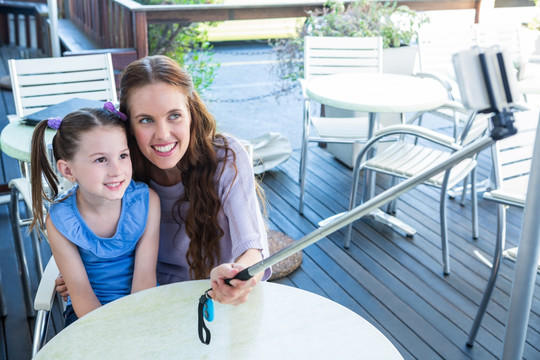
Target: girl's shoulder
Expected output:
[136,190]
[68,221]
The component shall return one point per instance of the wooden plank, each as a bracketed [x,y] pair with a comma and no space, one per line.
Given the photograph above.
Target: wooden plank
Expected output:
[264,10]
[472,308]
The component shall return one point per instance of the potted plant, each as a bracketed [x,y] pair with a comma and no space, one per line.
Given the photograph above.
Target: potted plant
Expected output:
[397,25]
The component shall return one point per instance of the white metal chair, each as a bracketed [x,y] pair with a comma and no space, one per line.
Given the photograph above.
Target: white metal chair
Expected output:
[405,159]
[332,55]
[37,84]
[41,82]
[512,158]
[519,43]
[436,45]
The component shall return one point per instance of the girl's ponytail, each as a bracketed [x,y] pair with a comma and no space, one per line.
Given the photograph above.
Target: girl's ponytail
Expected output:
[41,168]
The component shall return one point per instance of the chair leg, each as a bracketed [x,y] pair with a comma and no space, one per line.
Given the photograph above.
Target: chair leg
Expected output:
[38,261]
[20,252]
[499,246]
[444,227]
[303,156]
[464,191]
[352,201]
[40,331]
[474,206]
[392,205]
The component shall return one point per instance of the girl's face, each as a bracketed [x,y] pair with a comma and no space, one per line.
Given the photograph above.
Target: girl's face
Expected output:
[160,120]
[101,165]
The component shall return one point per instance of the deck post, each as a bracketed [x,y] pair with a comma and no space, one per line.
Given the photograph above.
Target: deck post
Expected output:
[53,21]
[141,33]
[526,266]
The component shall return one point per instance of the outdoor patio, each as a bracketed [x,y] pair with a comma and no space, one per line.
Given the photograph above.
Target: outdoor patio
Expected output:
[394,282]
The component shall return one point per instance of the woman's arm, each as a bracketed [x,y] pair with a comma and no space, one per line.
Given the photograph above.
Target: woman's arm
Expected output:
[144,273]
[247,230]
[71,266]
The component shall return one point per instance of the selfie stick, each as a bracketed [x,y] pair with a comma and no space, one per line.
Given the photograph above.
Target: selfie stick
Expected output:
[503,127]
[365,208]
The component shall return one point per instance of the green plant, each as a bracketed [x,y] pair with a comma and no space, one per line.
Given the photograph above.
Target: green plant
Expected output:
[186,43]
[535,23]
[398,26]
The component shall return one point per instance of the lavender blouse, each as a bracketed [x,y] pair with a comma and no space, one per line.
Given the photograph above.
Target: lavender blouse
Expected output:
[240,218]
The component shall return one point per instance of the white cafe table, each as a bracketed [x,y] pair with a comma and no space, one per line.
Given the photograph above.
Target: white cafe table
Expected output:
[377,93]
[277,322]
[16,140]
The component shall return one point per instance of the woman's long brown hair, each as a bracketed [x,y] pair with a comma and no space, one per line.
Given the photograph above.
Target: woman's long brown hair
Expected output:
[198,166]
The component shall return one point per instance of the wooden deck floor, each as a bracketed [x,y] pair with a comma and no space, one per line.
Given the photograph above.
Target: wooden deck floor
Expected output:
[394,282]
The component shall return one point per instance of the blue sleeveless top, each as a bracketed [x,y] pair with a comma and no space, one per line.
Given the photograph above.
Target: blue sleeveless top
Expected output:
[109,262]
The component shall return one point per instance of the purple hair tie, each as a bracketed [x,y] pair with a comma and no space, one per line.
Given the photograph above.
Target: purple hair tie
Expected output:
[54,122]
[109,106]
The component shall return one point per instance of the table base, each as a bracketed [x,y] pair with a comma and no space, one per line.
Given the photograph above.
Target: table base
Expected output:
[394,223]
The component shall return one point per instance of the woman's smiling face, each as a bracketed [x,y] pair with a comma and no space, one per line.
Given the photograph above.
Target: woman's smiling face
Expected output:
[160,121]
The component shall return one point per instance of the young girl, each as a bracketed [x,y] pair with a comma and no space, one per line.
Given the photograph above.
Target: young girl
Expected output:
[104,233]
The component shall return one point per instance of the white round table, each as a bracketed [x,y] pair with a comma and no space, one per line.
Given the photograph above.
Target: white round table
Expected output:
[277,322]
[377,92]
[16,140]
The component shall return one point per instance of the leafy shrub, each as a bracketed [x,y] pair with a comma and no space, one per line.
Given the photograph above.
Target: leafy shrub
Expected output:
[398,26]
[186,43]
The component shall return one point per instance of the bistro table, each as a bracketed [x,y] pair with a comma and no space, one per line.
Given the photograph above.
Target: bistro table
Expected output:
[378,93]
[277,322]
[16,140]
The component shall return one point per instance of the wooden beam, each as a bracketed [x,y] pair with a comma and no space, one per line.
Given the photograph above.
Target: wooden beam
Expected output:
[156,14]
[141,34]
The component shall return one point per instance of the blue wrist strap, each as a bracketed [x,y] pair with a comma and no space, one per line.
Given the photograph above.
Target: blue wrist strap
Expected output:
[206,311]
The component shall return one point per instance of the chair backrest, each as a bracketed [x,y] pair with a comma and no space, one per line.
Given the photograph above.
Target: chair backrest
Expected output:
[514,39]
[436,46]
[42,82]
[512,159]
[334,55]
[474,128]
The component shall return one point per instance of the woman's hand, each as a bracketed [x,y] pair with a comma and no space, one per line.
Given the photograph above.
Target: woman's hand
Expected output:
[61,287]
[234,294]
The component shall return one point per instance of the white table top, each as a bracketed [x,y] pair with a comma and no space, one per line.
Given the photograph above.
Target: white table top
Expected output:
[16,140]
[377,92]
[277,322]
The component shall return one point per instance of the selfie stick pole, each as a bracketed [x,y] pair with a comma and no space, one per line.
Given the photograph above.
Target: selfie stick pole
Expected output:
[367,207]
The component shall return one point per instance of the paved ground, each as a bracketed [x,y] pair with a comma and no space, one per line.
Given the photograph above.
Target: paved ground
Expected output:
[246,73]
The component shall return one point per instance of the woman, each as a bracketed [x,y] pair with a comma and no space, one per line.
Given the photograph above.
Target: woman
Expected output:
[211,223]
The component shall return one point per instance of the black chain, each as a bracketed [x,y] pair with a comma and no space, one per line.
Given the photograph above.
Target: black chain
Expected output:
[243,53]
[253,98]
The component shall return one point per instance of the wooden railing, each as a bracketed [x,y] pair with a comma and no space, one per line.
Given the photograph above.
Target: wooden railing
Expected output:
[22,23]
[124,23]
